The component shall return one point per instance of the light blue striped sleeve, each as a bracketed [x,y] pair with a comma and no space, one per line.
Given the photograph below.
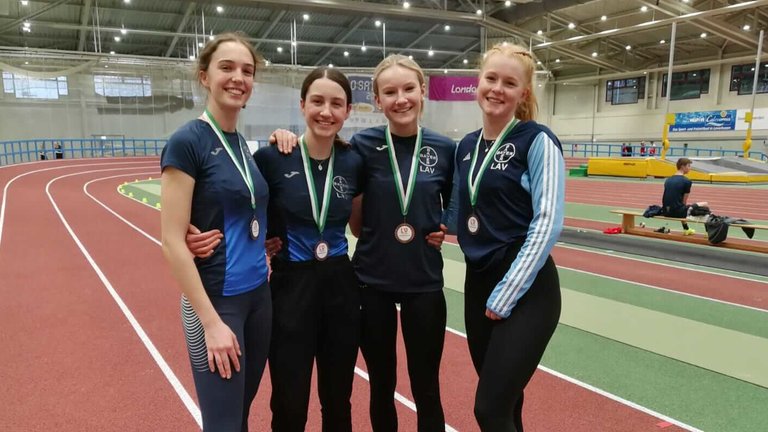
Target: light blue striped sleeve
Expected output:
[546,170]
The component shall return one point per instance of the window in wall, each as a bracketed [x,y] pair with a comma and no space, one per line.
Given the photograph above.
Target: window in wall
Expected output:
[625,91]
[122,86]
[687,85]
[25,87]
[742,77]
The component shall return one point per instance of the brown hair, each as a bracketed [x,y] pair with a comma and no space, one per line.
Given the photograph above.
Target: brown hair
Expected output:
[528,108]
[683,161]
[204,59]
[336,76]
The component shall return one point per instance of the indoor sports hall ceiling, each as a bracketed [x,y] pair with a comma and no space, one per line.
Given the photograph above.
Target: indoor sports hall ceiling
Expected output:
[571,38]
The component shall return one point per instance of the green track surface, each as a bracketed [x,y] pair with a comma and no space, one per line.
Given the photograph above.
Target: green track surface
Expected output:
[699,361]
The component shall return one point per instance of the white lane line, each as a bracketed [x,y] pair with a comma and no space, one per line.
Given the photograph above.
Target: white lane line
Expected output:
[604,393]
[10,182]
[153,351]
[398,397]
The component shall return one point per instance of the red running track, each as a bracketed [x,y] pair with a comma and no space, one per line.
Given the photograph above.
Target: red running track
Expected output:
[75,362]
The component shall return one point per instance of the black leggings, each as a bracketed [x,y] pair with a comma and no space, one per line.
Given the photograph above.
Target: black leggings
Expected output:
[423,318]
[506,353]
[316,317]
[225,403]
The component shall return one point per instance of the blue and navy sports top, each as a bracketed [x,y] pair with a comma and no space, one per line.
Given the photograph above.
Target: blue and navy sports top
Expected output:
[520,199]
[290,211]
[221,200]
[380,260]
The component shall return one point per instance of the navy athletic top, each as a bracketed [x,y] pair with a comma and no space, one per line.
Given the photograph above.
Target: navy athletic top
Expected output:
[290,211]
[380,260]
[520,198]
[675,187]
[221,200]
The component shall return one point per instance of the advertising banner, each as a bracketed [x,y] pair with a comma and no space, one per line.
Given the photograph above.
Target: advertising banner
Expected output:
[364,112]
[759,119]
[452,88]
[704,121]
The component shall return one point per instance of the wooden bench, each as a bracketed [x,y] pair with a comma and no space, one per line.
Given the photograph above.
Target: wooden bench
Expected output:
[628,227]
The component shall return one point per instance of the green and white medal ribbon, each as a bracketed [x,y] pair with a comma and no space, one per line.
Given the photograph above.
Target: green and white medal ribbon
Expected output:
[319,213]
[243,169]
[404,233]
[473,223]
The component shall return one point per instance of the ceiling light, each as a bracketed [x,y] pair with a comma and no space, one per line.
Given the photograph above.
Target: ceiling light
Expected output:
[27,24]
[410,57]
[447,27]
[192,57]
[540,32]
[557,60]
[210,37]
[685,1]
[539,85]
[479,12]
[703,35]
[123,31]
[267,62]
[112,52]
[26,29]
[219,9]
[363,48]
[628,47]
[200,44]
[306,17]
[406,5]
[378,23]
[445,71]
[279,49]
[746,27]
[126,1]
[571,26]
[26,62]
[24,2]
[430,53]
[293,43]
[117,38]
[644,9]
[538,62]
[330,65]
[603,18]
[662,41]
[346,53]
[594,54]
[465,61]
[508,3]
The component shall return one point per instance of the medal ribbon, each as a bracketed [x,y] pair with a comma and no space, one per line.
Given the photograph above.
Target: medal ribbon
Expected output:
[473,186]
[244,171]
[320,216]
[404,194]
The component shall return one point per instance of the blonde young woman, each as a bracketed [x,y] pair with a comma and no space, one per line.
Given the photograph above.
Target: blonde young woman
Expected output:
[209,180]
[511,189]
[407,181]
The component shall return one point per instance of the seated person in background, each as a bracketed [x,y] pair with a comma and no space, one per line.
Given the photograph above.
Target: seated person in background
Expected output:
[676,191]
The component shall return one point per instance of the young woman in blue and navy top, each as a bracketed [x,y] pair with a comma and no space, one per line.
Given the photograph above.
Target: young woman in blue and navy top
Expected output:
[315,293]
[409,176]
[511,194]
[209,180]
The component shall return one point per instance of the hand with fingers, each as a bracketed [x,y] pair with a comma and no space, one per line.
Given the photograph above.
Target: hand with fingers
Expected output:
[284,139]
[202,244]
[273,246]
[436,239]
[223,349]
[492,315]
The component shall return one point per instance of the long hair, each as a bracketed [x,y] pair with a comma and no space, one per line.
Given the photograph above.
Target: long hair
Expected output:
[527,109]
[204,59]
[336,76]
[404,62]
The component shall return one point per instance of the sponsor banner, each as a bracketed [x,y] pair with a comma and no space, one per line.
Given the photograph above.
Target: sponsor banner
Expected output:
[759,119]
[452,88]
[704,121]
[362,93]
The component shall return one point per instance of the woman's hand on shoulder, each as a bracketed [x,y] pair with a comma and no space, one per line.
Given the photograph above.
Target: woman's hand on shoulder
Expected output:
[491,315]
[284,139]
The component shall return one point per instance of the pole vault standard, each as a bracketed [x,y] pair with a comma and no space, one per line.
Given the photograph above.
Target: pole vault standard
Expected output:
[750,116]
